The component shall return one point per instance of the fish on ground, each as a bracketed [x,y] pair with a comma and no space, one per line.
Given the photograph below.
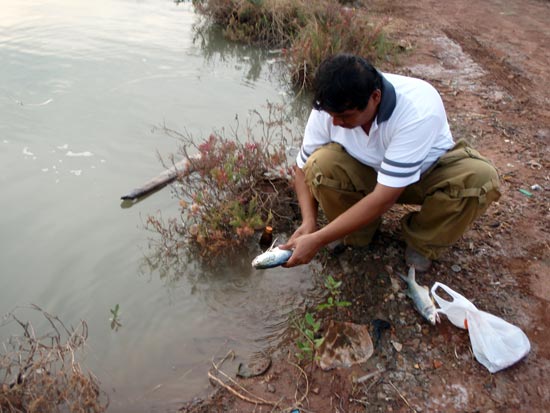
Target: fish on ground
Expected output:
[420,295]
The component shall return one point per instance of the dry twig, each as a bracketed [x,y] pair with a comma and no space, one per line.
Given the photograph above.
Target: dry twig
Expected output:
[306,392]
[253,399]
[402,397]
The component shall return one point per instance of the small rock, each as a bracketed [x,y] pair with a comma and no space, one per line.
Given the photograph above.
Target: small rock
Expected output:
[534,164]
[395,286]
[456,268]
[397,346]
[256,366]
[437,364]
[498,96]
[542,133]
[315,390]
[270,388]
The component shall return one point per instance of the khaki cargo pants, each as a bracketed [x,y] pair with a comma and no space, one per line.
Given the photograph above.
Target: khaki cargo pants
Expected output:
[456,190]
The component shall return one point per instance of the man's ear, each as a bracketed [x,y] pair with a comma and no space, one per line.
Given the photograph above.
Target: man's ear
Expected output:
[376,96]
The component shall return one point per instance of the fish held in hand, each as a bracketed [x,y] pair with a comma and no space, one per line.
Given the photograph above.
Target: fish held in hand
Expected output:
[420,295]
[272,257]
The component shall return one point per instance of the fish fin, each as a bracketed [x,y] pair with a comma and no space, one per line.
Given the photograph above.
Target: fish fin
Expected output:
[272,246]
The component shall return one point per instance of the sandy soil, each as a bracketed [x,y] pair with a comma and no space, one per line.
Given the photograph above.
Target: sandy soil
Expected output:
[490,61]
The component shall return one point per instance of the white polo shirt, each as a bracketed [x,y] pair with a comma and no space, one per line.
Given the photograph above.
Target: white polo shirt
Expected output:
[410,132]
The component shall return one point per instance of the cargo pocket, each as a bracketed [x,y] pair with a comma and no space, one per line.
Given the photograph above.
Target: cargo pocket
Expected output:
[320,180]
[487,193]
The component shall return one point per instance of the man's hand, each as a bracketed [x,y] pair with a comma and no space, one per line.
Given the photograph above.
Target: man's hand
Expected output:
[303,229]
[360,214]
[304,249]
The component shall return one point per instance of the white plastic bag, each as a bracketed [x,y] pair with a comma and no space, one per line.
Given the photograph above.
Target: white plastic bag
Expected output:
[496,343]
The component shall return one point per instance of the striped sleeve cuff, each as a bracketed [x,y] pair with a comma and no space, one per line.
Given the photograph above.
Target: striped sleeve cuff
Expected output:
[302,157]
[399,174]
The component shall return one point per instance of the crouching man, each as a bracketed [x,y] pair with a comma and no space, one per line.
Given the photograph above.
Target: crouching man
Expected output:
[375,139]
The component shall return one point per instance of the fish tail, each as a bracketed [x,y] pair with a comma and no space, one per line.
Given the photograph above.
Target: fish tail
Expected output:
[411,277]
[412,273]
[406,279]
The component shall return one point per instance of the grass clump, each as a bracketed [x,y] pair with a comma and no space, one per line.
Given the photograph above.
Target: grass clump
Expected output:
[40,372]
[233,187]
[307,30]
[332,29]
[272,23]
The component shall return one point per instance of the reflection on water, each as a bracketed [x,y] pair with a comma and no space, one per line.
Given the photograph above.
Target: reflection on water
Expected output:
[82,87]
[255,60]
[229,286]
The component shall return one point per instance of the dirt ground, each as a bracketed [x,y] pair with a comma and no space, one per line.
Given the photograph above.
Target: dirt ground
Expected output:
[490,61]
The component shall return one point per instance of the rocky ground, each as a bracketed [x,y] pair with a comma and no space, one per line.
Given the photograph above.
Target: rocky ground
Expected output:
[489,59]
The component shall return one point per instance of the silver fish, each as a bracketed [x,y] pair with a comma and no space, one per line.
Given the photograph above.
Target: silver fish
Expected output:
[420,295]
[272,257]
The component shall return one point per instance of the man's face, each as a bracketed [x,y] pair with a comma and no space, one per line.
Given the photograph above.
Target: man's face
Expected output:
[352,118]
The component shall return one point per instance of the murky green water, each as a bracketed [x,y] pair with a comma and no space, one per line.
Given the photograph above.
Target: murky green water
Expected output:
[82,87]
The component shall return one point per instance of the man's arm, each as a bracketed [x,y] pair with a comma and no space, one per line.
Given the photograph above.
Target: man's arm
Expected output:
[308,205]
[362,213]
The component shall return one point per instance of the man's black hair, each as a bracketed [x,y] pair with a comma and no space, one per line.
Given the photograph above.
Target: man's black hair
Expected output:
[343,82]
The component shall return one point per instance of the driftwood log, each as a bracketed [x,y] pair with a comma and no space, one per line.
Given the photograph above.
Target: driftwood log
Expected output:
[164,178]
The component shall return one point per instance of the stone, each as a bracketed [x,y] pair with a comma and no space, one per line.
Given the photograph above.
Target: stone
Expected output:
[257,365]
[397,346]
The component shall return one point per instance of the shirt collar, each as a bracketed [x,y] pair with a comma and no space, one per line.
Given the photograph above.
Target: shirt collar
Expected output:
[388,101]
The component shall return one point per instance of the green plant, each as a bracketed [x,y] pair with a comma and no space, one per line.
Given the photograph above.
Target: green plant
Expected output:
[309,329]
[333,301]
[115,318]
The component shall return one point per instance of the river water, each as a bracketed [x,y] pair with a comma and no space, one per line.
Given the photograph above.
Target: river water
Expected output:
[84,87]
